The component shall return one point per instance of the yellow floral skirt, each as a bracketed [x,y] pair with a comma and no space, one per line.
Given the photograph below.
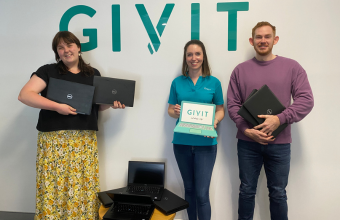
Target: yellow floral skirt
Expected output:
[67,175]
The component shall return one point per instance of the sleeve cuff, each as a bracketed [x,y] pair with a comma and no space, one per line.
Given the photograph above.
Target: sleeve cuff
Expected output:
[242,125]
[282,118]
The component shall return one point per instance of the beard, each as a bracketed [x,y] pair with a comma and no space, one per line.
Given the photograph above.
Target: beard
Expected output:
[263,52]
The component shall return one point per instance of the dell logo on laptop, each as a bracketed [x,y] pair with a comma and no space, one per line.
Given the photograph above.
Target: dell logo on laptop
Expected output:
[114,92]
[69,96]
[269,112]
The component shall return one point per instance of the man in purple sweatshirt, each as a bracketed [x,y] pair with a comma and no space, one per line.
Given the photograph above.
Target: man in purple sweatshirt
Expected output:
[256,147]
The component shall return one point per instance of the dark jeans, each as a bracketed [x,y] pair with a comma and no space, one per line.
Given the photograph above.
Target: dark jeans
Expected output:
[276,161]
[196,164]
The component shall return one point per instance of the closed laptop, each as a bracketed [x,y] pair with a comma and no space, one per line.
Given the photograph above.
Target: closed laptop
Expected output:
[76,95]
[246,114]
[109,90]
[106,200]
[262,102]
[170,203]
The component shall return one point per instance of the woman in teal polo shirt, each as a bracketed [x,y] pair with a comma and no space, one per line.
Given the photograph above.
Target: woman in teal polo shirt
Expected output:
[196,154]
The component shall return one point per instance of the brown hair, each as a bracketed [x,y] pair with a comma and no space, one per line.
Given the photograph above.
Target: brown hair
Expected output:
[261,24]
[69,38]
[205,65]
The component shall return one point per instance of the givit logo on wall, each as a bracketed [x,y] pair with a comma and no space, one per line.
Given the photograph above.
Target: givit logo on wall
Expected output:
[154,33]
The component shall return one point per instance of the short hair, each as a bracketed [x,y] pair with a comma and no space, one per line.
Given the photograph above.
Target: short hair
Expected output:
[205,65]
[69,38]
[261,24]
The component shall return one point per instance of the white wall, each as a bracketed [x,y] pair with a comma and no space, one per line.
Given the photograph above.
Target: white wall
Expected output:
[308,31]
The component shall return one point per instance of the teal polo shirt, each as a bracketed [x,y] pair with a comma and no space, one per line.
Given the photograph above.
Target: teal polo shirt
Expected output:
[207,90]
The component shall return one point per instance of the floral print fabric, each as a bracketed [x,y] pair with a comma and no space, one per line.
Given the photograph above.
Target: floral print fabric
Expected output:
[67,175]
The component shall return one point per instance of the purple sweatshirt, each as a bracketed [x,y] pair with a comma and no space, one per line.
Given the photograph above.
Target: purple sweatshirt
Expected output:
[285,77]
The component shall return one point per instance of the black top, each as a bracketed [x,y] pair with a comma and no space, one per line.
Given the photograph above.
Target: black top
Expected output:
[52,120]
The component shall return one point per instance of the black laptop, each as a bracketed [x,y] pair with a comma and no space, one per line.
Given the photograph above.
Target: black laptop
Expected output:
[246,114]
[106,200]
[109,90]
[262,102]
[146,178]
[76,95]
[132,207]
[170,203]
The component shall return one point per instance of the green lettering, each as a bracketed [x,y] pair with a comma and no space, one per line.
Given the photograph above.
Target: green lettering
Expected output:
[91,33]
[195,21]
[232,8]
[116,41]
[149,26]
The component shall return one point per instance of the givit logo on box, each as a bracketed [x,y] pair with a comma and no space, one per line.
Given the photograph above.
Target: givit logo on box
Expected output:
[197,113]
[154,33]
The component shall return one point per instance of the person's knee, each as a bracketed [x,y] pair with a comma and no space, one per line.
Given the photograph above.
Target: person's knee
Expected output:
[202,196]
[277,193]
[189,188]
[247,190]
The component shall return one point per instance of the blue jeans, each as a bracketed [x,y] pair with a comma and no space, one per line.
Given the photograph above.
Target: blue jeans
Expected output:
[276,161]
[196,164]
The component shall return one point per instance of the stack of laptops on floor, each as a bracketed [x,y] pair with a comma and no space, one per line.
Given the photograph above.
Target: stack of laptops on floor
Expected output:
[262,102]
[144,191]
[105,90]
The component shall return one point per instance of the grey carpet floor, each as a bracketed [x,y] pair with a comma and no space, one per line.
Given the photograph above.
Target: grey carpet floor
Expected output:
[16,216]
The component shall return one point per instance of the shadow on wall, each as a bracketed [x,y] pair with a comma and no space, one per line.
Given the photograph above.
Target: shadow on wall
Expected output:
[172,167]
[115,115]
[296,147]
[228,150]
[17,159]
